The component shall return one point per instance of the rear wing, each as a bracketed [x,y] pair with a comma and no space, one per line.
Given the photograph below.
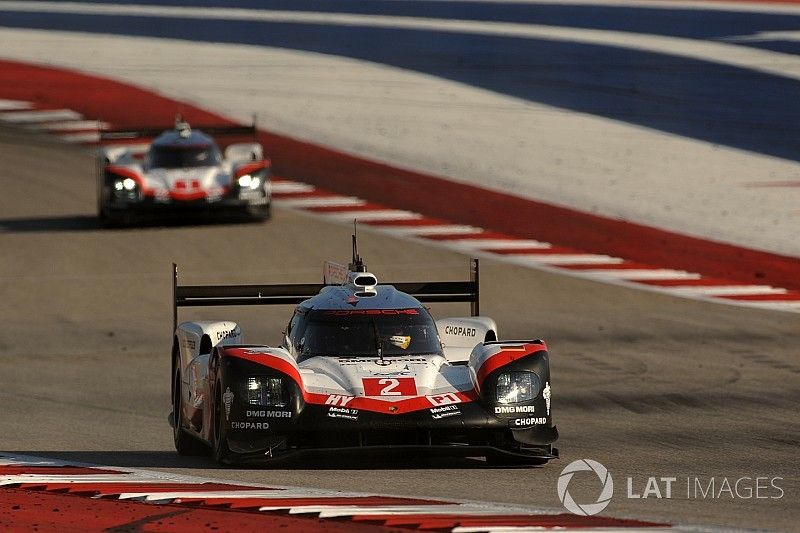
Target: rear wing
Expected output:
[155,131]
[287,294]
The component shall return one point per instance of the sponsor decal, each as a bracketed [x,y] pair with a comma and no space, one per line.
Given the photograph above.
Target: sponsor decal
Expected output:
[334,273]
[511,409]
[354,312]
[343,412]
[249,425]
[546,396]
[399,386]
[401,341]
[386,361]
[460,331]
[526,422]
[445,411]
[254,351]
[227,401]
[444,399]
[269,414]
[228,334]
[338,399]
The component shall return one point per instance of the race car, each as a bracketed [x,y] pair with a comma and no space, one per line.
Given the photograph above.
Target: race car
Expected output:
[182,171]
[362,365]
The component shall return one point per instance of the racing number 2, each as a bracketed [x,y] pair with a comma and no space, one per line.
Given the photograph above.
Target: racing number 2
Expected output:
[403,386]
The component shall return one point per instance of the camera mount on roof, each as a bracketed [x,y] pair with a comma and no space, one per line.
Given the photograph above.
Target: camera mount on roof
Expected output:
[358,264]
[182,127]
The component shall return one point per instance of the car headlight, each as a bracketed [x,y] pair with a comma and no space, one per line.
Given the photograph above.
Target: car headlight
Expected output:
[126,184]
[265,391]
[249,182]
[517,387]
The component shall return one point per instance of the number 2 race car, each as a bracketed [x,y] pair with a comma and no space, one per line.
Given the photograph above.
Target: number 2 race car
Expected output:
[181,171]
[362,365]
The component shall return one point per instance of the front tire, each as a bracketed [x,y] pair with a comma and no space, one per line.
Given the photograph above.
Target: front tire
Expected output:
[185,444]
[221,451]
[260,213]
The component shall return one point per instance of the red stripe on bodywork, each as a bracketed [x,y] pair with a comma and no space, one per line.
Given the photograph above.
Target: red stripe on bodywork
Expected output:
[252,167]
[506,356]
[397,407]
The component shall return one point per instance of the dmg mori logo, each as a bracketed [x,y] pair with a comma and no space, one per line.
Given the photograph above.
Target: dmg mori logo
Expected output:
[606,492]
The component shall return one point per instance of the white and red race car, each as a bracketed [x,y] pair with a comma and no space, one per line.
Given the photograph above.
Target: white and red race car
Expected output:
[362,366]
[182,171]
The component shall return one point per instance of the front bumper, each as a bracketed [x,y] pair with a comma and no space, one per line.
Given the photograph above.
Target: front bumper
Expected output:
[466,430]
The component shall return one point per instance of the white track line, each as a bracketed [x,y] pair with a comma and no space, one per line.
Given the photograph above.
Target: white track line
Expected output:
[39,115]
[404,510]
[640,274]
[500,244]
[13,105]
[83,137]
[726,290]
[567,259]
[775,304]
[774,63]
[74,479]
[320,201]
[444,229]
[288,187]
[72,125]
[377,214]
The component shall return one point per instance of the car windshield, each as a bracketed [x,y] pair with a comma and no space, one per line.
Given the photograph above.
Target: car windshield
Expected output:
[184,156]
[353,332]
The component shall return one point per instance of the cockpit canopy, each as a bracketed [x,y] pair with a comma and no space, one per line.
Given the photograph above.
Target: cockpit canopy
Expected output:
[181,156]
[362,332]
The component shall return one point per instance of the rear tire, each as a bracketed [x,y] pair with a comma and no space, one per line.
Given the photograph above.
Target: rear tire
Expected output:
[185,444]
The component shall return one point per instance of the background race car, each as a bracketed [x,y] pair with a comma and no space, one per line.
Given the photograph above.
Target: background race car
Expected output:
[181,171]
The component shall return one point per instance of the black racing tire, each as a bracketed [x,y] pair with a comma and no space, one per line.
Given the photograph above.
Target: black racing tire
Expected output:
[260,213]
[222,453]
[185,444]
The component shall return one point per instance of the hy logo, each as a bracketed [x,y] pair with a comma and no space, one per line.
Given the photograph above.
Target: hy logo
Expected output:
[586,509]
